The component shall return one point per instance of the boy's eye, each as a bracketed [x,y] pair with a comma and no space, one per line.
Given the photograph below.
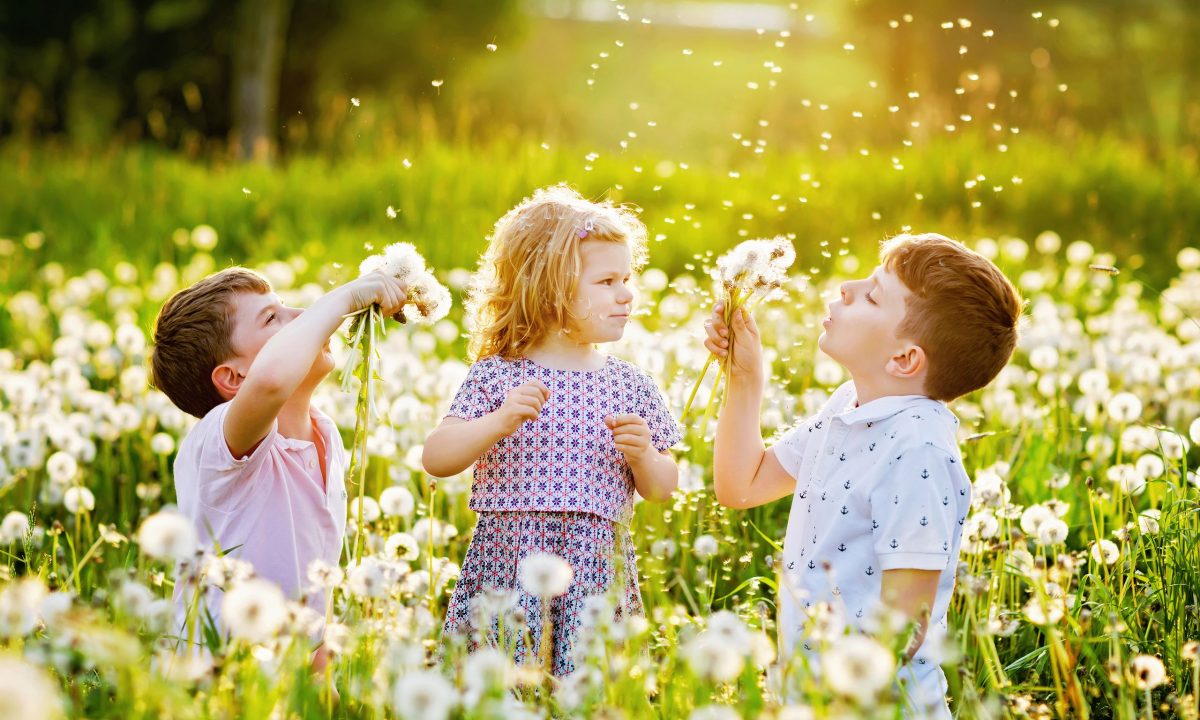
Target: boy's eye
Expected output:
[870,300]
[270,317]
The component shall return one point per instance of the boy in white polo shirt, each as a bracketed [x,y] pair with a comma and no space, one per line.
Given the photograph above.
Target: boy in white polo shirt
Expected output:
[879,492]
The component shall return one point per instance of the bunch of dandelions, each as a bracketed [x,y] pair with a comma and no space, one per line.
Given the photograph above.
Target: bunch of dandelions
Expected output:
[753,271]
[429,301]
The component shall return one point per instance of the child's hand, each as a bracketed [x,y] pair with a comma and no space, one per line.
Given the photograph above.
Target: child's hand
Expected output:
[524,402]
[747,345]
[631,435]
[376,288]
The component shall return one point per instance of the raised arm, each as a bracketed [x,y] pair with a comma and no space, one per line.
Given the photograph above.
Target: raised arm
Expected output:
[745,473]
[286,359]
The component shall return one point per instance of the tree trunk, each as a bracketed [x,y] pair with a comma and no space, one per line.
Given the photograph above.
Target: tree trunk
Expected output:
[257,60]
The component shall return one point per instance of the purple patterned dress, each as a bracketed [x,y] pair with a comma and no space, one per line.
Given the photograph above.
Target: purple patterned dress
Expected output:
[558,485]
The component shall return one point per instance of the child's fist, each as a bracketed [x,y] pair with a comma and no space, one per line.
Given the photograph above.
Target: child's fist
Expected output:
[377,288]
[747,345]
[631,435]
[524,402]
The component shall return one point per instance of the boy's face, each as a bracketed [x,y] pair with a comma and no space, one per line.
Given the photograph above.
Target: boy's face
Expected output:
[602,299]
[861,329]
[256,319]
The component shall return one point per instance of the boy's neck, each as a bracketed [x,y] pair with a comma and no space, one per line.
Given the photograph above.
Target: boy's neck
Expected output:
[559,351]
[866,390]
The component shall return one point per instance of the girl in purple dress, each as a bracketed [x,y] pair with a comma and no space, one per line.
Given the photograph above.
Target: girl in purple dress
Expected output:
[561,435]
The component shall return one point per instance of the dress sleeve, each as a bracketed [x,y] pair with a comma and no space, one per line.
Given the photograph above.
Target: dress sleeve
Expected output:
[915,508]
[481,392]
[664,431]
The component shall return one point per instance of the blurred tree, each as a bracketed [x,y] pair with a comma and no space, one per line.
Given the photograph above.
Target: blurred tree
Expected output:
[196,73]
[257,61]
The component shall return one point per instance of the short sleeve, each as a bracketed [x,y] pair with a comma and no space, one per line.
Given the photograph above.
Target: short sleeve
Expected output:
[223,481]
[789,449]
[664,431]
[915,508]
[481,392]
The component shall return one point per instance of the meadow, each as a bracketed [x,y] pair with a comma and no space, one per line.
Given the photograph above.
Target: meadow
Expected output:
[1078,588]
[1076,594]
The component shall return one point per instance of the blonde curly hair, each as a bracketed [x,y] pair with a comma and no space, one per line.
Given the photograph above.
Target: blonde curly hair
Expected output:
[530,270]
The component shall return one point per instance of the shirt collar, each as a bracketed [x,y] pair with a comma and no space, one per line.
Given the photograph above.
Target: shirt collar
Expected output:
[880,408]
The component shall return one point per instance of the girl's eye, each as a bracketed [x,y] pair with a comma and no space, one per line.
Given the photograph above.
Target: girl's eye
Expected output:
[607,281]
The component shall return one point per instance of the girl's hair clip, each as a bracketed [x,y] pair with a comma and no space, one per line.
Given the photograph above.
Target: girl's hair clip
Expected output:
[587,228]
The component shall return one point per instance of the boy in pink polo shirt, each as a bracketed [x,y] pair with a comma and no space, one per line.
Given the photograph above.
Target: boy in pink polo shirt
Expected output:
[263,471]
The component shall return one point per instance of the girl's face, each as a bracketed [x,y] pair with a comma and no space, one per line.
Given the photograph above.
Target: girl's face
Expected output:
[602,300]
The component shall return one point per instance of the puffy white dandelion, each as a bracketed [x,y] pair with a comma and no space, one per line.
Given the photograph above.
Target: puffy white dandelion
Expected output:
[484,671]
[423,695]
[1105,551]
[79,500]
[710,658]
[396,502]
[1124,407]
[858,667]
[27,692]
[1194,431]
[1148,521]
[1147,672]
[20,606]
[323,576]
[545,575]
[254,610]
[401,546]
[61,467]
[369,579]
[370,509]
[705,547]
[1052,532]
[167,535]
[162,444]
[14,527]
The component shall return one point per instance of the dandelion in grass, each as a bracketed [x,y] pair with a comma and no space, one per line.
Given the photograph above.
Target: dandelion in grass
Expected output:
[254,610]
[167,536]
[1147,672]
[14,527]
[746,275]
[424,695]
[858,668]
[27,692]
[429,301]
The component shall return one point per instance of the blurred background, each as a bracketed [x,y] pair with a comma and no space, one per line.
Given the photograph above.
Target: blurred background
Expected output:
[313,129]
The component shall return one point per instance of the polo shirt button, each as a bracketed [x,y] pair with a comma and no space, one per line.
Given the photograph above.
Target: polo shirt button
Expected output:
[312,463]
[829,450]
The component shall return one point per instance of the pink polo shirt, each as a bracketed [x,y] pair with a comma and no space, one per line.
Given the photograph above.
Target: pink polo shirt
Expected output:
[271,505]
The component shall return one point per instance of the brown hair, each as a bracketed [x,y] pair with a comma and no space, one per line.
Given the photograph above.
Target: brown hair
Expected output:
[192,336]
[963,311]
[530,270]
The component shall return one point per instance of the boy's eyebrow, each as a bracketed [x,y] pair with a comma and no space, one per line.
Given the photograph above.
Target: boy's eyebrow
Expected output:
[272,306]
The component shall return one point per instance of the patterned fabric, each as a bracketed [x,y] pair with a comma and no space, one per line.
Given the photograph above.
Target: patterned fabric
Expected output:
[589,543]
[879,486]
[565,460]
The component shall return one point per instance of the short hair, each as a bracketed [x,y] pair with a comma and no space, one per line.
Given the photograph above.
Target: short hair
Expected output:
[530,270]
[963,311]
[193,335]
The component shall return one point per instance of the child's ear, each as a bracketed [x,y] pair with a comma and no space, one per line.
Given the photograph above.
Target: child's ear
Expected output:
[909,363]
[227,380]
